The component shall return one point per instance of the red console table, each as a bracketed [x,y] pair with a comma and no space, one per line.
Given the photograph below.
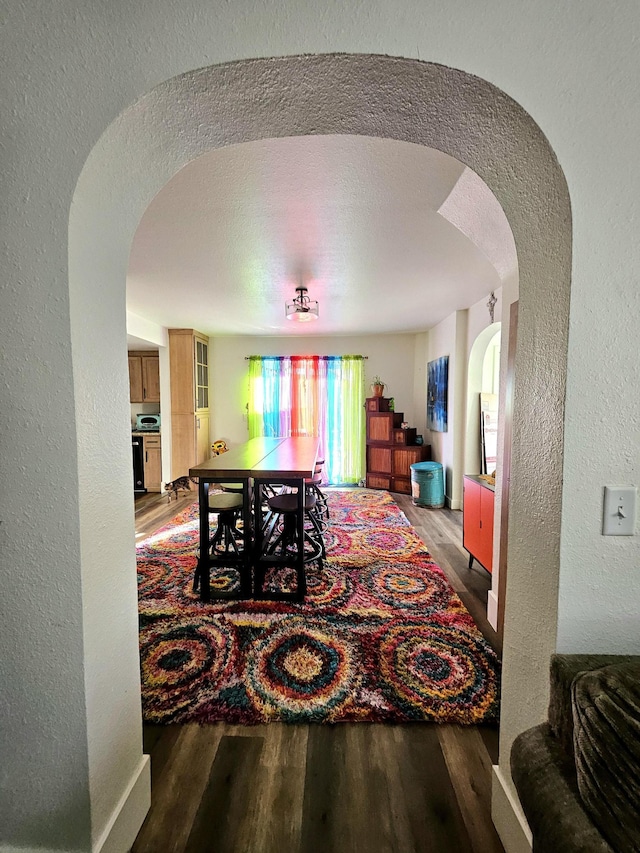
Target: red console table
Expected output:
[477,521]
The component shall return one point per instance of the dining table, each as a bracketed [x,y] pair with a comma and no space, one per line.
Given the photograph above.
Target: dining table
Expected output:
[255,464]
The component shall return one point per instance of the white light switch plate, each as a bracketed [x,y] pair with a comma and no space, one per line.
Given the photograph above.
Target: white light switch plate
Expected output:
[619,510]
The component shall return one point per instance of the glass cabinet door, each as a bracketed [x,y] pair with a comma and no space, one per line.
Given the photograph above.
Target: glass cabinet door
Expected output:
[202,375]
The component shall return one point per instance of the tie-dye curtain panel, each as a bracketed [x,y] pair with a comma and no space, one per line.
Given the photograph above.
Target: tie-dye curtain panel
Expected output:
[312,395]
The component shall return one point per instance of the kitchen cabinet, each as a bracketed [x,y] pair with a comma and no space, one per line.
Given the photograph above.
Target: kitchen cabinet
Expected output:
[477,520]
[152,462]
[144,377]
[391,450]
[189,378]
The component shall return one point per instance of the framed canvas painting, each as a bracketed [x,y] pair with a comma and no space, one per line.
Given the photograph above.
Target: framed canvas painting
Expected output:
[437,392]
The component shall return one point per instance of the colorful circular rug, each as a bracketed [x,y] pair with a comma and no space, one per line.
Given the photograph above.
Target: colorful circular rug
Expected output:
[381,636]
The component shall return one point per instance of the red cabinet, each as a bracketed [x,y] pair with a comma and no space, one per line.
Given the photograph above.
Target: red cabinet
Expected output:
[477,522]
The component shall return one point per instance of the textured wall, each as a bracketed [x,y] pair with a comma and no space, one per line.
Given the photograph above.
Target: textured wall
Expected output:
[389,356]
[67,73]
[417,102]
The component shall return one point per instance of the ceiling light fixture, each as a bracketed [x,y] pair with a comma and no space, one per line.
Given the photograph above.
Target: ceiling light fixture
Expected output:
[301,308]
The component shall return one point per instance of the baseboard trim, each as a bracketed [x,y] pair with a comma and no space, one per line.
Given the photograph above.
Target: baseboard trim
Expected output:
[508,817]
[10,849]
[492,609]
[129,814]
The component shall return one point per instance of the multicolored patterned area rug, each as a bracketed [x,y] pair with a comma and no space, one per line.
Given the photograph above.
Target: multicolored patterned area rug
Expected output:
[382,636]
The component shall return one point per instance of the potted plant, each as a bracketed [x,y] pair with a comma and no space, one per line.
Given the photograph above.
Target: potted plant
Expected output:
[377,386]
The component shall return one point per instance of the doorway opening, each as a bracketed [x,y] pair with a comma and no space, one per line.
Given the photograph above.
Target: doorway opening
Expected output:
[453,111]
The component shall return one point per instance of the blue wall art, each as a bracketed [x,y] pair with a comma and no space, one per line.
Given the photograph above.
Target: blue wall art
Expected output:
[437,391]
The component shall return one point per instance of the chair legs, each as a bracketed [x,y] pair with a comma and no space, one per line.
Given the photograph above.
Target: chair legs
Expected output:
[279,529]
[226,548]
[282,546]
[285,542]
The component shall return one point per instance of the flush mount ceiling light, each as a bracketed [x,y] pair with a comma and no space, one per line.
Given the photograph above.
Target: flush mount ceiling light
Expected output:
[301,308]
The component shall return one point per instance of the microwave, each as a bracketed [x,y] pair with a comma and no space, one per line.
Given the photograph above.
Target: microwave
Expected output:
[150,422]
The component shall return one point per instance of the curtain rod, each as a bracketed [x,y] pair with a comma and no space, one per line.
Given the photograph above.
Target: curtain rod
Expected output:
[323,357]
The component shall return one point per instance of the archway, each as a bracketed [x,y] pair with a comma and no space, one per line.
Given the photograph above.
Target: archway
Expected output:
[475,385]
[409,100]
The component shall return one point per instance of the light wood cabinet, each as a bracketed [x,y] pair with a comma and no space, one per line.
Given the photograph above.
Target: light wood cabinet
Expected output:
[390,449]
[203,440]
[189,367]
[477,521]
[152,462]
[144,377]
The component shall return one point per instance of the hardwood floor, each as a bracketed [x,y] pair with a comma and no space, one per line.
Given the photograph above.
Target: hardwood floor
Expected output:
[348,788]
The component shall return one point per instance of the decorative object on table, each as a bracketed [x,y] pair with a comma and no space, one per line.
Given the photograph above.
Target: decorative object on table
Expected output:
[404,425]
[377,387]
[392,404]
[489,478]
[437,392]
[219,447]
[382,636]
[419,440]
[301,309]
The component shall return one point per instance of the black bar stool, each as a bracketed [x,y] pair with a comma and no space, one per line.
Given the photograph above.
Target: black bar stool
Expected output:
[281,543]
[321,511]
[312,485]
[227,546]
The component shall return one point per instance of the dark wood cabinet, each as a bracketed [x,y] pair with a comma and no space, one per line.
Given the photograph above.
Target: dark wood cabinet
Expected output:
[378,404]
[477,521]
[382,425]
[391,450]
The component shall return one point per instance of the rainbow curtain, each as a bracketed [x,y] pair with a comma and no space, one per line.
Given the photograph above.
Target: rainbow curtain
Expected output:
[312,395]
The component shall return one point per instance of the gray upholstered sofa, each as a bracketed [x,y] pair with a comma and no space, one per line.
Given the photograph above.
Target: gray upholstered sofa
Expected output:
[578,775]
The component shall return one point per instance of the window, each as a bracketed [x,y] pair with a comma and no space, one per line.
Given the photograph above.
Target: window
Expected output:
[312,395]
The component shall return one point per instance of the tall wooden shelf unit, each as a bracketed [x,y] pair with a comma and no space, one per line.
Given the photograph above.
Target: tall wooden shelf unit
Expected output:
[189,367]
[391,450]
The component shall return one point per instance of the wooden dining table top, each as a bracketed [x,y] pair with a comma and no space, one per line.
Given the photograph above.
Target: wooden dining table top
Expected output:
[288,458]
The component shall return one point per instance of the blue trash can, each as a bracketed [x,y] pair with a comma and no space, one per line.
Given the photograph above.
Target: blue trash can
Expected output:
[427,484]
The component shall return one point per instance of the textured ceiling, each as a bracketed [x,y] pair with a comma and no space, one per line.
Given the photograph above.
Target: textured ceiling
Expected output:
[388,236]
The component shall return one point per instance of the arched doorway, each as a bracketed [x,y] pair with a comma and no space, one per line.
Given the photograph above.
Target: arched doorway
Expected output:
[409,100]
[482,377]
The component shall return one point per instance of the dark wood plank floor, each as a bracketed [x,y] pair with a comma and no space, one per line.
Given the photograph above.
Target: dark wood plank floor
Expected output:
[349,788]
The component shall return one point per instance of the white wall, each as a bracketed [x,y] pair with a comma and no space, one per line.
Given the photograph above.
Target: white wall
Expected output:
[389,356]
[448,339]
[56,106]
[421,359]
